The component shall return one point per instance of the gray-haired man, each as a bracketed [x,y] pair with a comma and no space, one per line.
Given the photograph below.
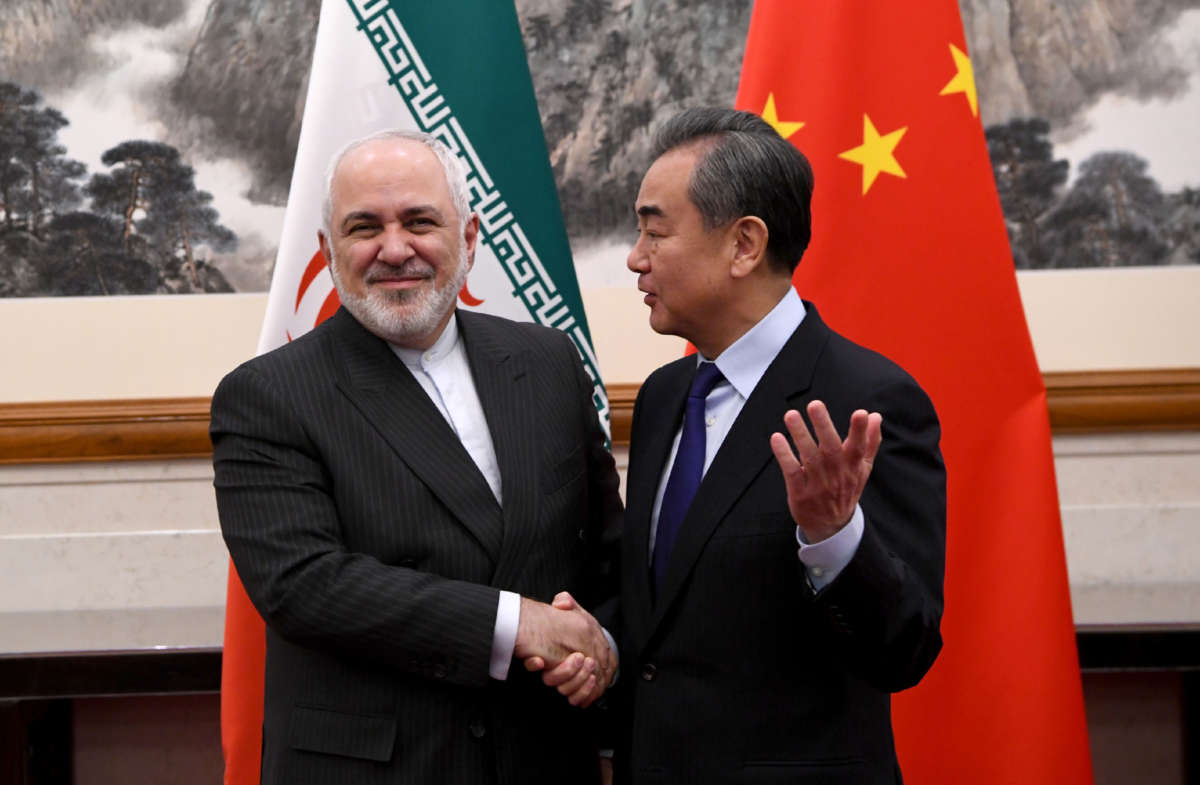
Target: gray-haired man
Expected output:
[402,491]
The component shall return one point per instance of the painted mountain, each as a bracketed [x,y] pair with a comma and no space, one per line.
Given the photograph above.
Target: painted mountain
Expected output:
[146,145]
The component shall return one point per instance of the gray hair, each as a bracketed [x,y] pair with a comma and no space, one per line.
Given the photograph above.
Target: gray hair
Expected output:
[453,167]
[746,168]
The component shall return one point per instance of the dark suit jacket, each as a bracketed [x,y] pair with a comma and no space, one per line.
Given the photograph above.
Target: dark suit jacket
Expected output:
[738,673]
[374,549]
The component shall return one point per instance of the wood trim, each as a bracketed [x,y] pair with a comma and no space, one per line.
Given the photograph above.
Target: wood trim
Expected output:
[620,410]
[1106,401]
[141,429]
[118,430]
[1079,402]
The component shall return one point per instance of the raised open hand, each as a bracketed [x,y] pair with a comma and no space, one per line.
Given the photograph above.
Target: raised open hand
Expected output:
[825,476]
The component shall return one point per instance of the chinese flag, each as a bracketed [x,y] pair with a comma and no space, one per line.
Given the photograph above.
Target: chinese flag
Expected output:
[910,257]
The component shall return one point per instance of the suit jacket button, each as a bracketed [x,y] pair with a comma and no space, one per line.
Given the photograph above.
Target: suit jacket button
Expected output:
[478,729]
[440,671]
[649,671]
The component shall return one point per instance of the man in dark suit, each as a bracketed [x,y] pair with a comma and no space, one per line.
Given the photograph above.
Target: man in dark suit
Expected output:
[403,490]
[772,597]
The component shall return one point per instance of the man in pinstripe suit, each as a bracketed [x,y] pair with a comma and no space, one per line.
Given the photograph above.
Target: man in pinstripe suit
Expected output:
[402,490]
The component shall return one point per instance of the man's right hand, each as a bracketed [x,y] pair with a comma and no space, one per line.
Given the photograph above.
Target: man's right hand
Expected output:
[569,641]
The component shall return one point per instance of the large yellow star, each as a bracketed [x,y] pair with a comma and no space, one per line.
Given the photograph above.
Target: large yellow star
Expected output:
[875,153]
[964,79]
[769,114]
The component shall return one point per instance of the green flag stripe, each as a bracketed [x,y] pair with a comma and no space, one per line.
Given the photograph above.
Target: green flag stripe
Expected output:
[499,228]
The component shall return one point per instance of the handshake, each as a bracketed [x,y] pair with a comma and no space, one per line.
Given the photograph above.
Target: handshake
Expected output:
[568,646]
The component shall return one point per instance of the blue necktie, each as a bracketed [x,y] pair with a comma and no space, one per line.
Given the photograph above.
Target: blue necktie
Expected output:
[684,478]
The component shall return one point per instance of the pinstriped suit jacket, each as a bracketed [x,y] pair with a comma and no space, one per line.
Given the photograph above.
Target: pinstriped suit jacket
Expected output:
[373,548]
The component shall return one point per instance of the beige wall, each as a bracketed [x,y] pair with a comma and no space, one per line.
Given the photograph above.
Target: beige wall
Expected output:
[154,523]
[164,347]
[110,556]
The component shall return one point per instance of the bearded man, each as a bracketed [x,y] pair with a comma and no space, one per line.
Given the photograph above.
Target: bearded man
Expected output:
[403,490]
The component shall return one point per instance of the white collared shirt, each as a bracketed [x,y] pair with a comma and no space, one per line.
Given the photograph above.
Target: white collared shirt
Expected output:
[444,374]
[743,365]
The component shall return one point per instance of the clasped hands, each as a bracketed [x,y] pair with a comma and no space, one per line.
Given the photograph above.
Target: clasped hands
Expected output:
[825,476]
[568,646]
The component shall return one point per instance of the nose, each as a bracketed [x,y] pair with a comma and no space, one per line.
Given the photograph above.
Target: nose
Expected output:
[637,261]
[394,245]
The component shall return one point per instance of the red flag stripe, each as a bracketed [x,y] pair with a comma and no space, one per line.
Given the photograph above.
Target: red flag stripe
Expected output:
[315,265]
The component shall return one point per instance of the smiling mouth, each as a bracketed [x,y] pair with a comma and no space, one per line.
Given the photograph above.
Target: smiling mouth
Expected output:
[406,276]
[395,282]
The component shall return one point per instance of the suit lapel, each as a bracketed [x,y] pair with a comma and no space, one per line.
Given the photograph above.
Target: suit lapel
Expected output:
[385,392]
[502,381]
[659,416]
[745,451]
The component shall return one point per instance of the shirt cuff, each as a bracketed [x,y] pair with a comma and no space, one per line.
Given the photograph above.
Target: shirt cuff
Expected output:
[612,644]
[504,637]
[826,559]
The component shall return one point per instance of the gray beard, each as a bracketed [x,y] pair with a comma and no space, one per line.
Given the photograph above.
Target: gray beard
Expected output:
[380,311]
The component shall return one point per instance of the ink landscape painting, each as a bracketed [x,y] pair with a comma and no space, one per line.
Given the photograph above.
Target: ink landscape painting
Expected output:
[146,146]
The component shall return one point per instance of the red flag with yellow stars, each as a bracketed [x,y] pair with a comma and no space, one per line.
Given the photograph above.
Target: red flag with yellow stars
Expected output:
[910,257]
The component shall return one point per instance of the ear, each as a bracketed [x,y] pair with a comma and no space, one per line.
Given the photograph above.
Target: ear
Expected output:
[749,237]
[323,243]
[470,238]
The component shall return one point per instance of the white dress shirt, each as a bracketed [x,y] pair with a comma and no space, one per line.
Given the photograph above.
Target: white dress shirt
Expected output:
[743,365]
[443,372]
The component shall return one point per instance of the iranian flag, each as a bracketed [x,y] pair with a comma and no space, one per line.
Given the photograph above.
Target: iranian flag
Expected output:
[910,256]
[462,77]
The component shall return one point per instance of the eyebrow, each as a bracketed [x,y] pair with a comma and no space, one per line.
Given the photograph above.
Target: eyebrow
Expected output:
[424,209]
[357,215]
[367,215]
[648,210]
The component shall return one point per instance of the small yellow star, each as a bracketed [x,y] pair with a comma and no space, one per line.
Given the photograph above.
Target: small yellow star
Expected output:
[783,129]
[875,153]
[964,79]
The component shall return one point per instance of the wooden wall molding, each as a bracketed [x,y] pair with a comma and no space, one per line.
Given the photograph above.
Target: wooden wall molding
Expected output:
[620,410]
[143,429]
[1079,402]
[117,430]
[1107,401]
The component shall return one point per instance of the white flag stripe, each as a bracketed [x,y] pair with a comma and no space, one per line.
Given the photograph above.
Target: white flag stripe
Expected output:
[310,305]
[348,97]
[367,75]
